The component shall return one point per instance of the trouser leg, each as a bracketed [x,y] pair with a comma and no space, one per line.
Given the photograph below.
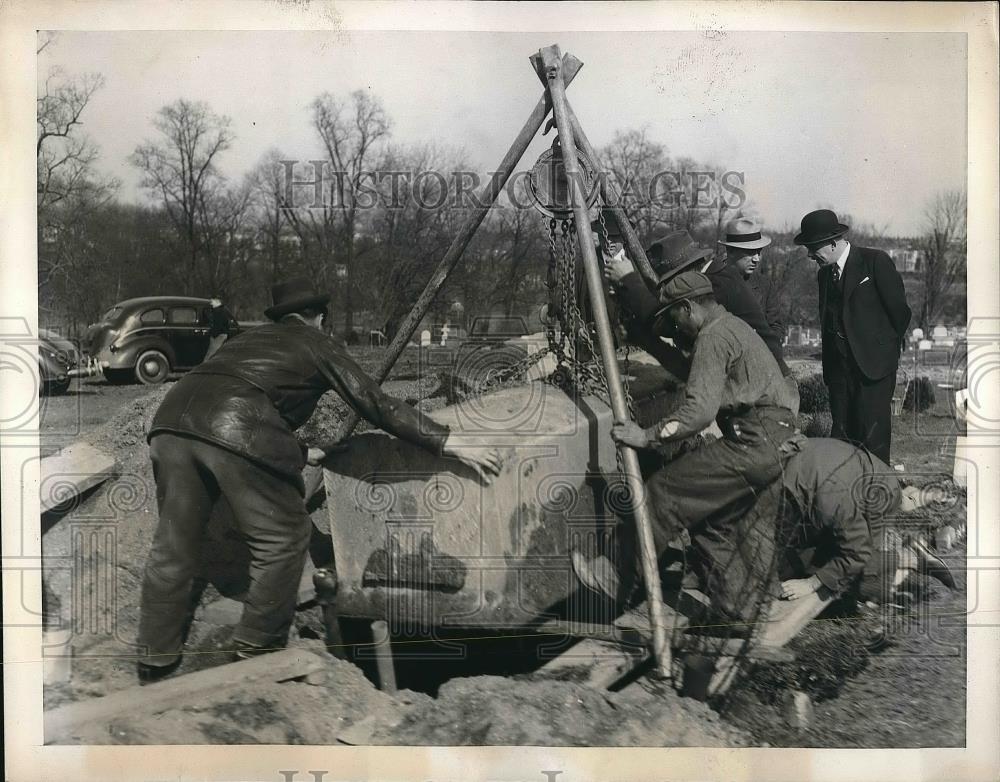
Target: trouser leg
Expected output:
[742,565]
[874,414]
[720,480]
[838,387]
[270,513]
[185,493]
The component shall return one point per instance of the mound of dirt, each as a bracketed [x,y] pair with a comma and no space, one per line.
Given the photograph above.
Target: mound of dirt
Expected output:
[268,713]
[493,710]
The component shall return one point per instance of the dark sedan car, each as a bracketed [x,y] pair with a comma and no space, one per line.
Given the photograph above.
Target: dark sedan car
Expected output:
[58,359]
[148,338]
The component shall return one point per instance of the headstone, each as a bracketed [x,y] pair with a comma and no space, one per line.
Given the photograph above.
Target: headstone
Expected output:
[445,331]
[925,344]
[960,470]
[425,339]
[916,335]
[939,332]
[798,710]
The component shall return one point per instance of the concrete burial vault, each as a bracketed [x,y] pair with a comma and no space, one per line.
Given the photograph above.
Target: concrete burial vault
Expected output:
[419,540]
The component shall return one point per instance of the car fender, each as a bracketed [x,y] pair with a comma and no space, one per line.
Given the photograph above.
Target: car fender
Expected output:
[50,369]
[126,356]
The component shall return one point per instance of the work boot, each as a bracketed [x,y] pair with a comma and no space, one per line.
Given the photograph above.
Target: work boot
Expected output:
[597,574]
[149,674]
[932,565]
[245,651]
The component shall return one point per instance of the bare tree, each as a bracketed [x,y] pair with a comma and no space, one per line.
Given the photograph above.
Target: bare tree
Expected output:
[180,170]
[641,169]
[943,250]
[69,190]
[410,238]
[350,131]
[64,154]
[267,192]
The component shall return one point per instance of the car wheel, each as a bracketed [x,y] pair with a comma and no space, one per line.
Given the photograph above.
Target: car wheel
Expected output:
[152,368]
[60,387]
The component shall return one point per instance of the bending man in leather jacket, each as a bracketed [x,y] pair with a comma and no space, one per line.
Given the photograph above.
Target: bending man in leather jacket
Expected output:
[225,430]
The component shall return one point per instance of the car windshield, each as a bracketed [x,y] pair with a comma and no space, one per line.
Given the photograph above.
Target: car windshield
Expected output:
[498,326]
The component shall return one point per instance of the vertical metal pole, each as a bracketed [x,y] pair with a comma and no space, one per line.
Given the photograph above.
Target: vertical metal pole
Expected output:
[484,200]
[661,648]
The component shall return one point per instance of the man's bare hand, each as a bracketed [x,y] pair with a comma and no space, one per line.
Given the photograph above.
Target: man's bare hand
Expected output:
[617,268]
[630,434]
[484,459]
[315,456]
[798,588]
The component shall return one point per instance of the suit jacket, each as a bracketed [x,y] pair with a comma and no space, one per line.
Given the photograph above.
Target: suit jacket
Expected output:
[735,294]
[760,286]
[876,314]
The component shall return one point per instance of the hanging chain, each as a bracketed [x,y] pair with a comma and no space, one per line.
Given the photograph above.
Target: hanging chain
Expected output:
[569,336]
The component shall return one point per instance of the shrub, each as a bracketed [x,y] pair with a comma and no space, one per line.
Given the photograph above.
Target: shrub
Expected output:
[813,396]
[817,424]
[352,338]
[920,395]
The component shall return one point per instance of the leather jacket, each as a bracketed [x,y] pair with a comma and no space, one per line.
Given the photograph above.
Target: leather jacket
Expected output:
[265,383]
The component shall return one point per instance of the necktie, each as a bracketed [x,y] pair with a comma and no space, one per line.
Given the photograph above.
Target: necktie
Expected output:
[836,274]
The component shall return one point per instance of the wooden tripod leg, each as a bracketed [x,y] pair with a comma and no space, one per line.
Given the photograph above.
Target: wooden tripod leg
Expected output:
[552,60]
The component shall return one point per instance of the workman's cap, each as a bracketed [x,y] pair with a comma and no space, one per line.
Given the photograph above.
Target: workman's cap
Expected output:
[686,285]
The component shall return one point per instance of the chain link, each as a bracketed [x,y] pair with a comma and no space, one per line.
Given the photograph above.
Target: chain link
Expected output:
[569,336]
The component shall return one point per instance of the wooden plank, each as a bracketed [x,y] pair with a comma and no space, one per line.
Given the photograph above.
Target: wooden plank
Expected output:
[785,619]
[70,472]
[307,590]
[61,723]
[595,662]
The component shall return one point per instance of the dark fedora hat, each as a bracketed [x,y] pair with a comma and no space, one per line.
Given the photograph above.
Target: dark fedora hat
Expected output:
[611,224]
[672,253]
[294,295]
[820,226]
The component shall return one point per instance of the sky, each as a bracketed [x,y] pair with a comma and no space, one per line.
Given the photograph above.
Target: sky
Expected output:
[869,124]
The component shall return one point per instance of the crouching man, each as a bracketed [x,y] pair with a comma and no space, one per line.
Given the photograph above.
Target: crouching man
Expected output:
[817,528]
[733,379]
[226,430]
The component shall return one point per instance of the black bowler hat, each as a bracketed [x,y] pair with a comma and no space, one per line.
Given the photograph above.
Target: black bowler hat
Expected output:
[673,253]
[820,226]
[294,295]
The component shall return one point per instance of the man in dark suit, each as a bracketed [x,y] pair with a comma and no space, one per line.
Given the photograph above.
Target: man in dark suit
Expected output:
[863,316]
